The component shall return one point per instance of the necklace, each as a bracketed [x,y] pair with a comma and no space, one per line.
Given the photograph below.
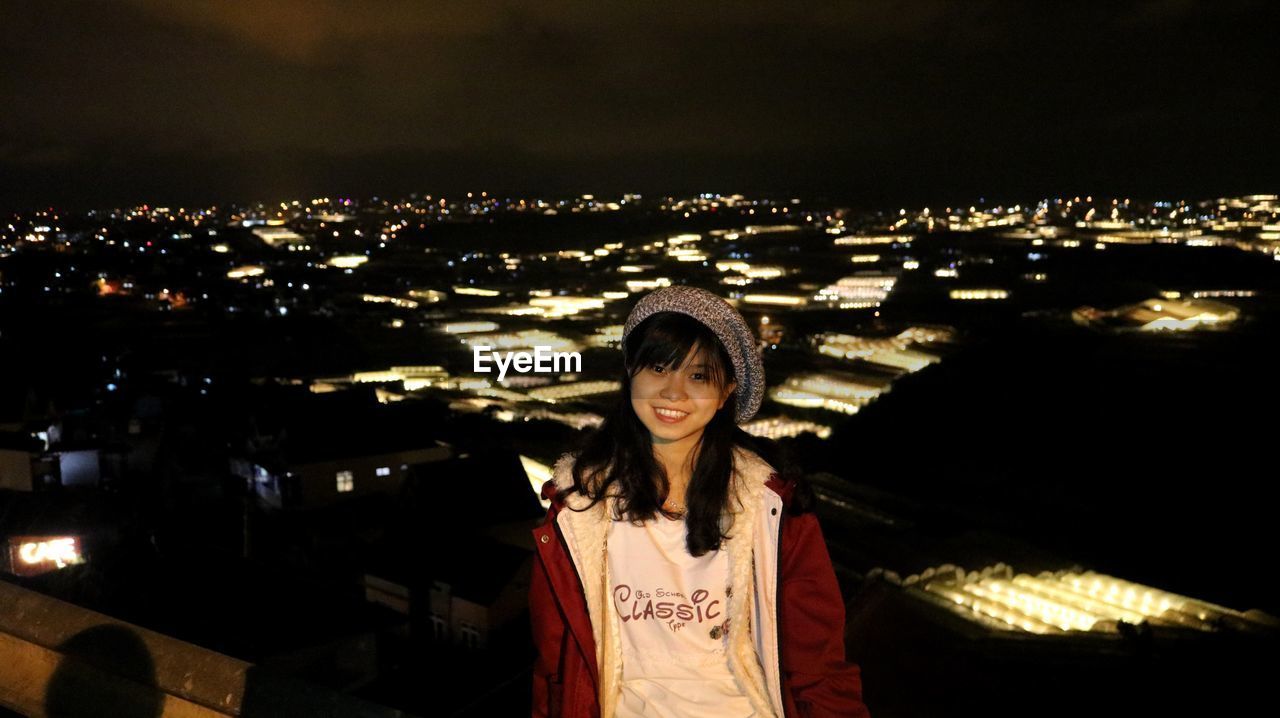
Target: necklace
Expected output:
[674,507]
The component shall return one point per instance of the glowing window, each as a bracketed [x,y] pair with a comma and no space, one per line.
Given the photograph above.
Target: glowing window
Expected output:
[346,481]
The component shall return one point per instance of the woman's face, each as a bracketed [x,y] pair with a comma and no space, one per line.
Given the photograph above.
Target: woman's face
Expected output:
[676,403]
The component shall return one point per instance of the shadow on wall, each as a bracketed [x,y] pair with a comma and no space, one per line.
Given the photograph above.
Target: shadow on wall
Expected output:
[78,688]
[107,670]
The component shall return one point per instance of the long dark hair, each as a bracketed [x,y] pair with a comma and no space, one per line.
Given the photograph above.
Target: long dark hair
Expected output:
[620,451]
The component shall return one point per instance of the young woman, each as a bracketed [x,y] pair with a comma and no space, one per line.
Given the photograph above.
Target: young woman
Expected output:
[679,573]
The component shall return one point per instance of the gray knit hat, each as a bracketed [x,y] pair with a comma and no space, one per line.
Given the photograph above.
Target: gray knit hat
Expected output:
[720,317]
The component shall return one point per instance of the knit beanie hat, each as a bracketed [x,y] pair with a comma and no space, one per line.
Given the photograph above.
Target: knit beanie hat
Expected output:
[721,318]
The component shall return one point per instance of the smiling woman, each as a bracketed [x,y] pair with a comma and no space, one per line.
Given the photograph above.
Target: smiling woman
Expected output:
[683,546]
[675,403]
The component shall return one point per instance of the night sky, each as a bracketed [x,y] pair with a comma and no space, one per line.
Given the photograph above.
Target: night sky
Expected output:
[870,103]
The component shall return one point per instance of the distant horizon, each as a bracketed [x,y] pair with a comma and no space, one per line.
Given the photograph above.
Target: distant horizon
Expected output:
[911,102]
[824,199]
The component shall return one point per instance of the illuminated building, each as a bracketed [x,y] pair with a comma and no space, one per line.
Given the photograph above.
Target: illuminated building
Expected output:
[857,291]
[781,427]
[979,294]
[564,306]
[250,270]
[347,261]
[841,393]
[550,306]
[685,254]
[277,237]
[977,219]
[927,334]
[430,296]
[510,310]
[747,273]
[307,474]
[862,240]
[525,381]
[476,291]
[1160,314]
[525,340]
[609,337]
[892,351]
[499,392]
[772,228]
[1068,601]
[781,300]
[574,390]
[469,327]
[397,301]
[573,419]
[637,285]
[411,377]
[1203,293]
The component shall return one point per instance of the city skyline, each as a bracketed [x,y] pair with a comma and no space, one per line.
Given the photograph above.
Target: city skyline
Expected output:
[282,396]
[308,309]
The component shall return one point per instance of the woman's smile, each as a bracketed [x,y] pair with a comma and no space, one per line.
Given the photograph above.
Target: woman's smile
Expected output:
[669,416]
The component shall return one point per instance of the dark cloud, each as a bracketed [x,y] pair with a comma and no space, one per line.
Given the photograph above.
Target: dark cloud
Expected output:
[127,101]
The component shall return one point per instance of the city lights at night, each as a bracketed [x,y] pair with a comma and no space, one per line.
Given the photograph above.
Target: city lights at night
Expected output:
[309,312]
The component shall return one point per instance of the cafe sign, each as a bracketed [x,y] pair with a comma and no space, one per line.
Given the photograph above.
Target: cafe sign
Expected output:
[32,555]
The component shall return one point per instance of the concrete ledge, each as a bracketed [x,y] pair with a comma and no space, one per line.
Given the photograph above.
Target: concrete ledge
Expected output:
[59,659]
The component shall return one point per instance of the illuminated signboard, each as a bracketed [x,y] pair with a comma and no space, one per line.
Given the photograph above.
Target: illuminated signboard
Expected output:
[32,555]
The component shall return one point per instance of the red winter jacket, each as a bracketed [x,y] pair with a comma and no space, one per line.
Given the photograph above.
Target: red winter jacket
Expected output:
[796,616]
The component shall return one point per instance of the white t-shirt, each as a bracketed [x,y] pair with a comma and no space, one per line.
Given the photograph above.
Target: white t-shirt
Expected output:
[673,613]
